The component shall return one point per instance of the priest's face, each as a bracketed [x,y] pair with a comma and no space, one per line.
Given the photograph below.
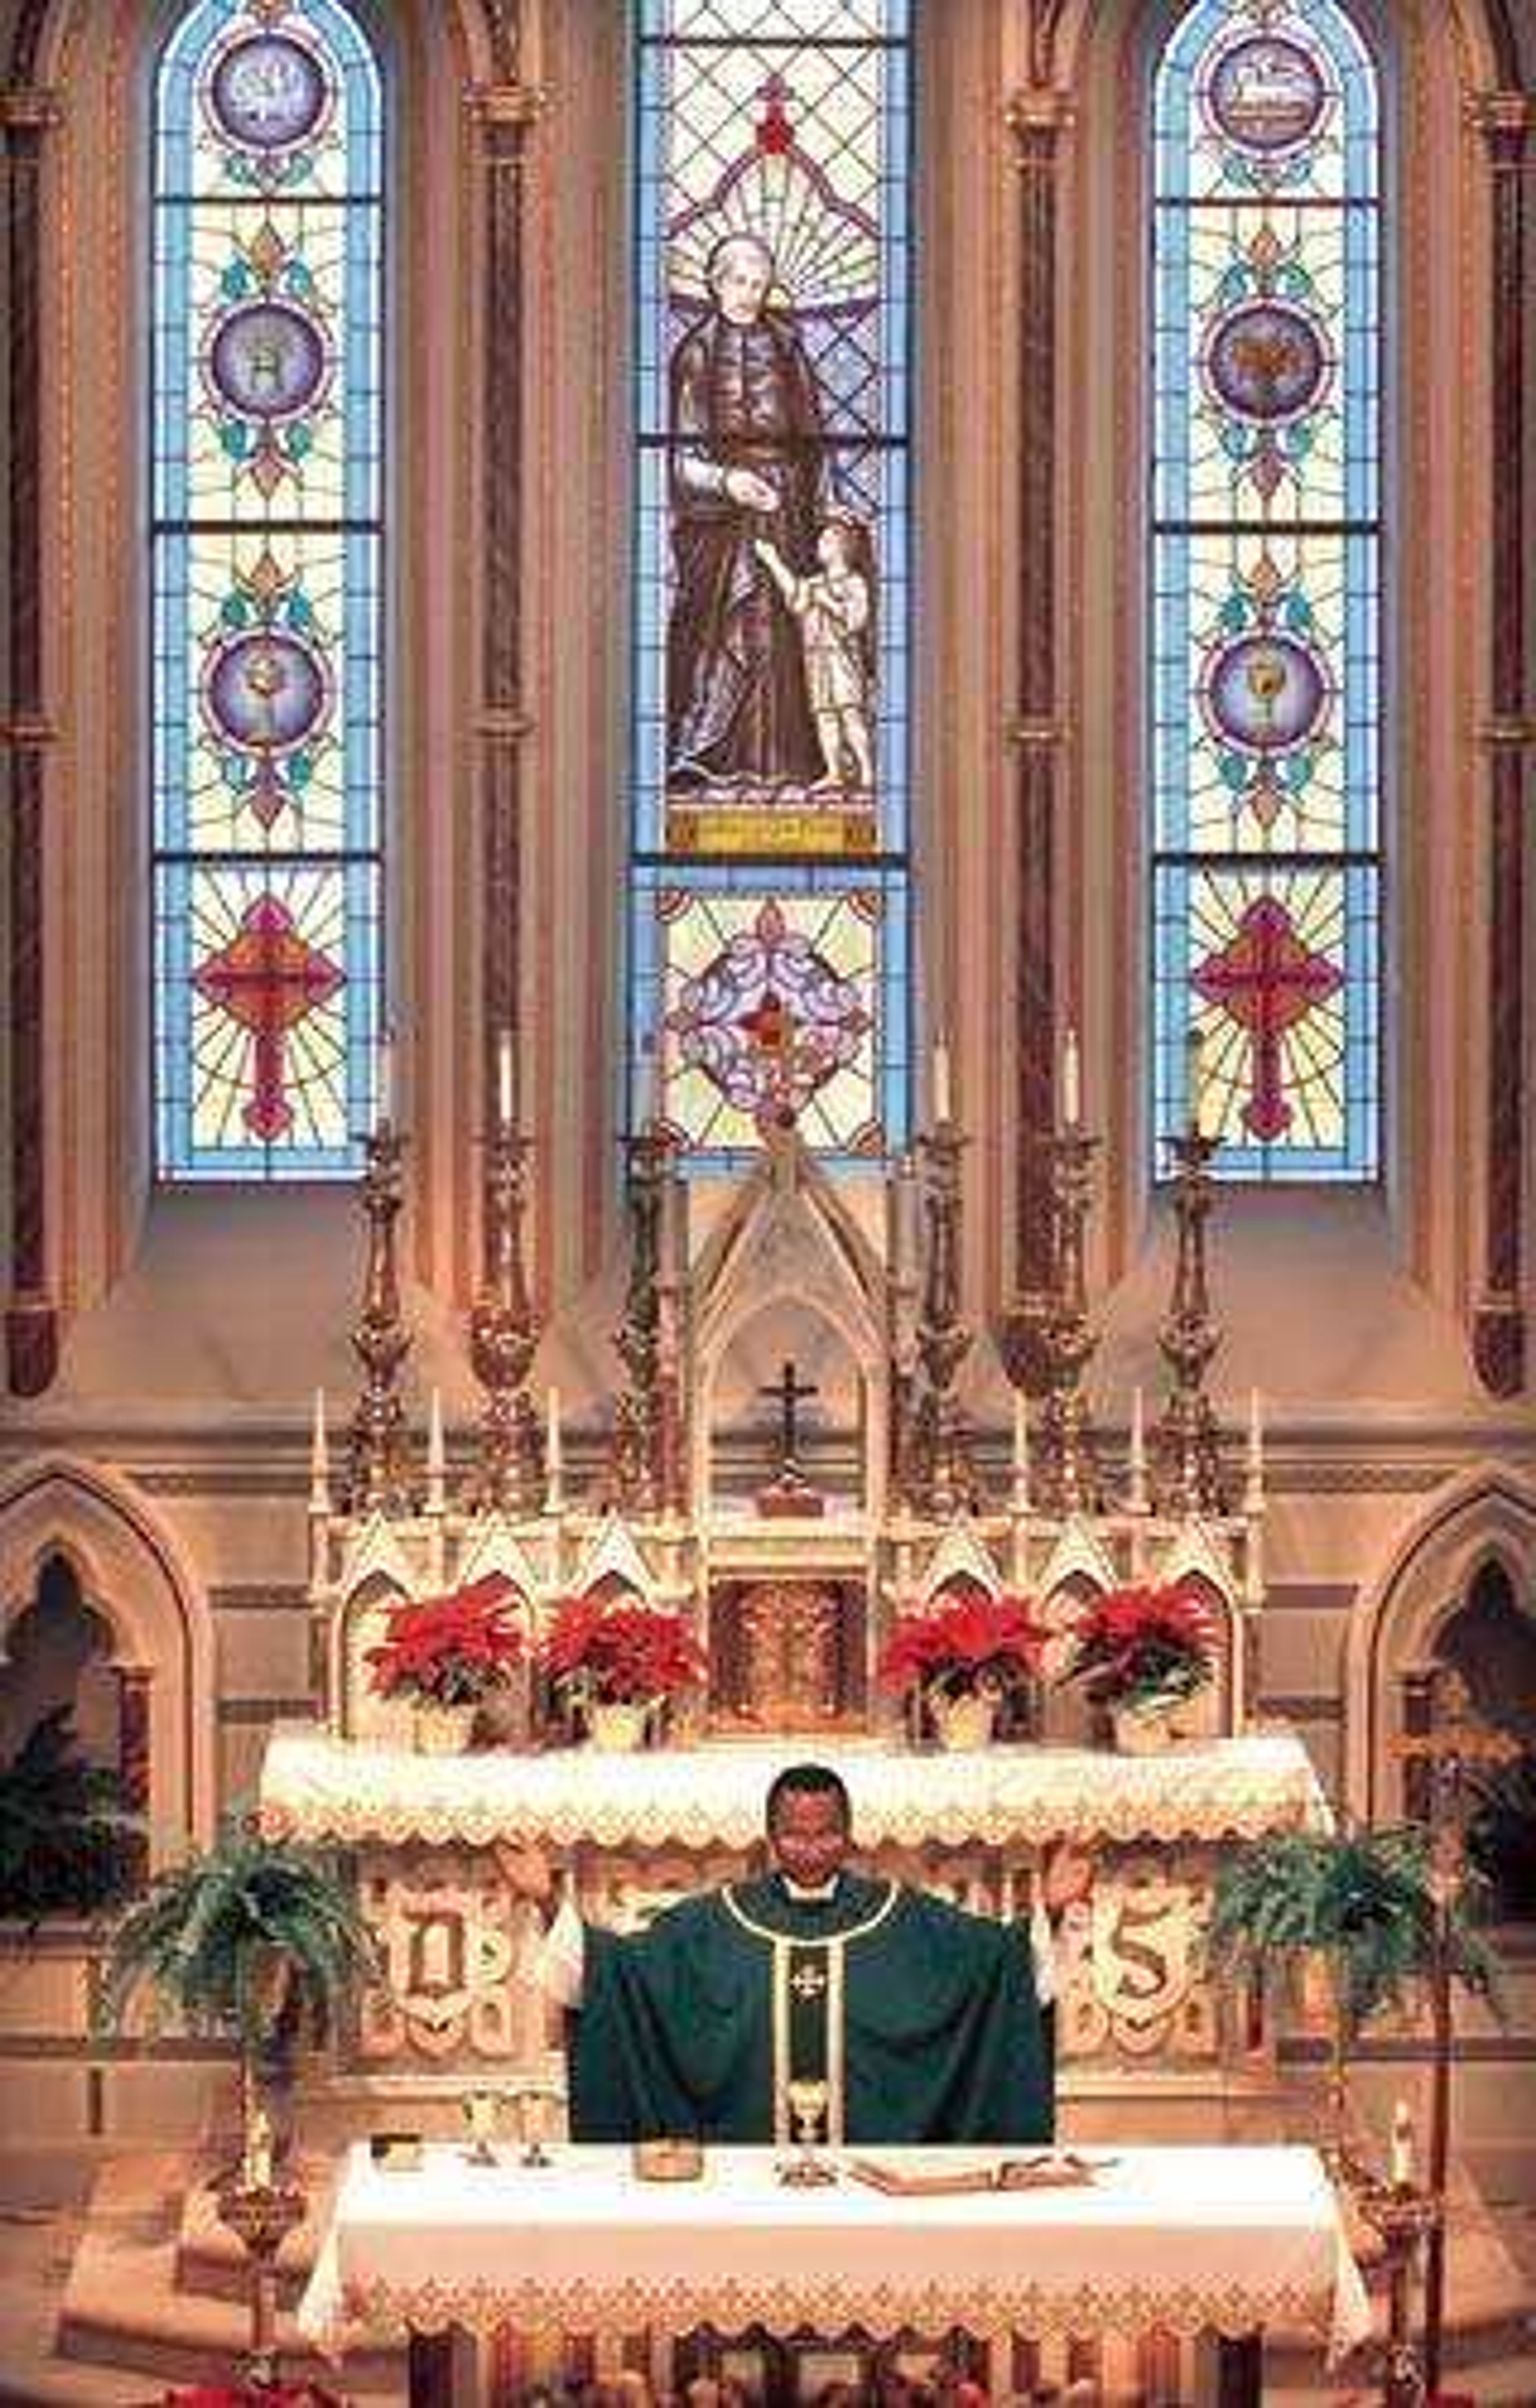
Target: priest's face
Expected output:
[807,1836]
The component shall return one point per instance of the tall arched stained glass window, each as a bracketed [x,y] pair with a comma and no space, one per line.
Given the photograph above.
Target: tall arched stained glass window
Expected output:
[1266,588]
[267,433]
[769,969]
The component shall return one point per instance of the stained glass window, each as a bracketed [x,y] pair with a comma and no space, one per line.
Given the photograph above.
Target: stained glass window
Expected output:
[1266,588]
[265,468]
[769,905]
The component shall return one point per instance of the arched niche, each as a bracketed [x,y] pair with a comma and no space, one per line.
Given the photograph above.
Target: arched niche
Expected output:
[1485,1517]
[132,1576]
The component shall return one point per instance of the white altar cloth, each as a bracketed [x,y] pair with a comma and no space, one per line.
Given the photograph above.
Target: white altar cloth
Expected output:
[1188,2239]
[315,1787]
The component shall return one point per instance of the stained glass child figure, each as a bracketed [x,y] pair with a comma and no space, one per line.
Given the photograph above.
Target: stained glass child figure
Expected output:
[835,607]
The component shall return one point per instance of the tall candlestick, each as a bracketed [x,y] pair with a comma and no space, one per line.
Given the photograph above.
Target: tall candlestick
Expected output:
[1071,1082]
[941,1079]
[506,1074]
[386,1079]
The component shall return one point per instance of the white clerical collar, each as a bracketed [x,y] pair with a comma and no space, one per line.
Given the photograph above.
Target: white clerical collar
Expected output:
[810,1893]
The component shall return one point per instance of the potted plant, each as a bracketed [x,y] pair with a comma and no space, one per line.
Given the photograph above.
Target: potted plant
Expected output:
[1357,1906]
[1142,1651]
[66,1844]
[962,1662]
[254,1940]
[447,1655]
[615,1664]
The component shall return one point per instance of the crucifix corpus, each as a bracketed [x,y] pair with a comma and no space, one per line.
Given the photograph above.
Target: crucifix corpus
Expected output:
[789,1491]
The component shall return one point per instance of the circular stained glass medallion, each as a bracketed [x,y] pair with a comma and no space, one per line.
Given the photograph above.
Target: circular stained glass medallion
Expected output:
[1267,95]
[267,92]
[266,359]
[1265,693]
[265,693]
[1266,361]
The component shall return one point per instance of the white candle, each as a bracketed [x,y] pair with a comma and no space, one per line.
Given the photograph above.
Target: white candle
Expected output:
[1402,2146]
[436,1453]
[320,1453]
[553,1447]
[386,1078]
[649,1084]
[1255,1432]
[1021,1445]
[506,1068]
[257,2168]
[1071,1082]
[1193,1078]
[941,1079]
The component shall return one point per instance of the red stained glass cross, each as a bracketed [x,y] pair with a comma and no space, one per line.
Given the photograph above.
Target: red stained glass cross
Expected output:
[268,979]
[1267,980]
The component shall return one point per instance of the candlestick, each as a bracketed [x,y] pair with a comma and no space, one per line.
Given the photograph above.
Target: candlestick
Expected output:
[941,1079]
[1071,1082]
[506,1074]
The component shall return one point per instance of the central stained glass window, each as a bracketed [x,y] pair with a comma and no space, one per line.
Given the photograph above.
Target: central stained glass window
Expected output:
[769,859]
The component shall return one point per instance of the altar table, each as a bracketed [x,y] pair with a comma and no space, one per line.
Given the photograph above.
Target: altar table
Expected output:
[1184,2240]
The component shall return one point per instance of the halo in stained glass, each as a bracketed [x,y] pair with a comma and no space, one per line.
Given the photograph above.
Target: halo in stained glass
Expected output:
[1266,95]
[267,92]
[265,693]
[1266,362]
[267,360]
[1265,693]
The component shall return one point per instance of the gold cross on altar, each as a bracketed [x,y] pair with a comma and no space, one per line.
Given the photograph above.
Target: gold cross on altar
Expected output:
[809,1983]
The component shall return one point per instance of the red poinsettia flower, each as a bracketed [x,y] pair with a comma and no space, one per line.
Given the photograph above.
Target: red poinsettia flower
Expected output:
[974,1643]
[450,1651]
[1145,1642]
[600,1651]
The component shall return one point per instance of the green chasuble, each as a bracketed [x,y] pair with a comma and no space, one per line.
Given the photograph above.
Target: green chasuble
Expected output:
[910,2020]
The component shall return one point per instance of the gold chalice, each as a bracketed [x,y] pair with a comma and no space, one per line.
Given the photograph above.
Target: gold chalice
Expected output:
[481,2110]
[807,2104]
[533,2104]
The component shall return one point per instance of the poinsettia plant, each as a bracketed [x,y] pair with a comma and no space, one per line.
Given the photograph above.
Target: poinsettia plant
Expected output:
[975,1646]
[611,1652]
[451,1650]
[1145,1646]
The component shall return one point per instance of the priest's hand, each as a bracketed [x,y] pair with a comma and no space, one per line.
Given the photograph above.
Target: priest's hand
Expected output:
[1067,1878]
[527,1873]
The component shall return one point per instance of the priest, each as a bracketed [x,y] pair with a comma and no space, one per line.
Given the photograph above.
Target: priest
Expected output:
[816,2004]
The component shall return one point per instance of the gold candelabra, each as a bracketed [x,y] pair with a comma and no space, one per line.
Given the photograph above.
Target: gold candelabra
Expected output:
[504,1337]
[940,1473]
[377,1474]
[1048,1341]
[646,1469]
[1187,1454]
[1455,1745]
[1404,2216]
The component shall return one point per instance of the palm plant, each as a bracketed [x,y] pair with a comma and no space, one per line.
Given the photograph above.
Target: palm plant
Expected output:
[253,1940]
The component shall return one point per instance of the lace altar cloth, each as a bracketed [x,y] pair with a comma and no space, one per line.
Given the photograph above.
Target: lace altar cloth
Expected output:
[314,1788]
[1191,2240]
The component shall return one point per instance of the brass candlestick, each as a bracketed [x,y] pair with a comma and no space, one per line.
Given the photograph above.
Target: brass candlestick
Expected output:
[504,1338]
[262,2214]
[1455,1743]
[378,1478]
[1187,1454]
[1405,2218]
[1051,1341]
[646,1464]
[940,1473]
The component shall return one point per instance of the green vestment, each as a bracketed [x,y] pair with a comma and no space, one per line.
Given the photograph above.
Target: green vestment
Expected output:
[920,2021]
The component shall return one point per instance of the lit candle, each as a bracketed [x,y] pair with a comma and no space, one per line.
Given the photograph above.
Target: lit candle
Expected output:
[257,2168]
[1071,1082]
[386,1078]
[506,1072]
[1193,1078]
[1403,2147]
[941,1079]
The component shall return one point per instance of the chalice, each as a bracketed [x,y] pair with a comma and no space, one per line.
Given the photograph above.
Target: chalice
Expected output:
[533,2102]
[808,2102]
[480,2110]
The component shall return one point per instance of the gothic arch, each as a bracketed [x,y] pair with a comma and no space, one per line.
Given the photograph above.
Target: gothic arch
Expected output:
[132,1573]
[1486,1516]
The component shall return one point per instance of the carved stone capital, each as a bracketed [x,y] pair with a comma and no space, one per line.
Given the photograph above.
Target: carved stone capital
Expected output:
[519,104]
[1504,120]
[1037,116]
[30,109]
